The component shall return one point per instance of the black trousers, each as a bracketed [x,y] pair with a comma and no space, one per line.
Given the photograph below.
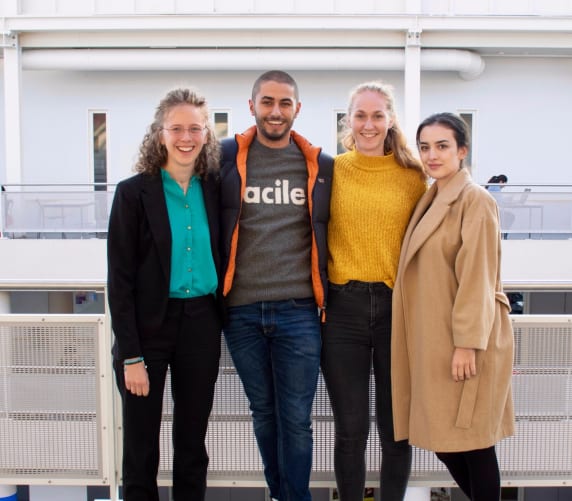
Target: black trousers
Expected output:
[476,472]
[190,345]
[357,336]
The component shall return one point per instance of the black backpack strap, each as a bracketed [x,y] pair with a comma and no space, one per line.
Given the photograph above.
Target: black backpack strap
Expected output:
[326,163]
[229,148]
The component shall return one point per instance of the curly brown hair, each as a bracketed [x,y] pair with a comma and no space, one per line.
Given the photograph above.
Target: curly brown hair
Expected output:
[153,154]
[395,141]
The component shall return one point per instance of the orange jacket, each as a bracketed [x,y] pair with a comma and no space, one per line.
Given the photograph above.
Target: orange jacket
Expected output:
[233,185]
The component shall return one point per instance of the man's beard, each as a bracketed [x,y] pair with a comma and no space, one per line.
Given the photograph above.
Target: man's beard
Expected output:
[273,136]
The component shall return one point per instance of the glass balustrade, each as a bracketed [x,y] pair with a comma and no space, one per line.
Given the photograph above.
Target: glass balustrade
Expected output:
[80,211]
[55,211]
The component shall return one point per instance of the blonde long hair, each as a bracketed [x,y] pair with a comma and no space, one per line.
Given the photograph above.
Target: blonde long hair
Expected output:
[395,141]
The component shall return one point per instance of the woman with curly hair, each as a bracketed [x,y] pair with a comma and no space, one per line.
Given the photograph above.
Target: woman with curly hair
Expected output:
[163,294]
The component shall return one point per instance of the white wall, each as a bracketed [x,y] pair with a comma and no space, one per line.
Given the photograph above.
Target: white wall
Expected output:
[523,108]
[28,261]
[75,7]
[55,113]
[2,135]
[53,262]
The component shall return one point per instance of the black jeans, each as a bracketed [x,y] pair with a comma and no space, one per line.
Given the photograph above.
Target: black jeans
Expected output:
[190,345]
[357,334]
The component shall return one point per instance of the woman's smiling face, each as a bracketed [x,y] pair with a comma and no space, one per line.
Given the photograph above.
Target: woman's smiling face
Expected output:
[183,135]
[370,120]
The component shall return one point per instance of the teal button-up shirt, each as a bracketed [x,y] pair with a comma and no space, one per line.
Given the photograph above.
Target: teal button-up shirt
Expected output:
[193,271]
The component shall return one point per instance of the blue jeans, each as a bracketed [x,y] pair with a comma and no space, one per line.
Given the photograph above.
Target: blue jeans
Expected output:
[357,336]
[275,347]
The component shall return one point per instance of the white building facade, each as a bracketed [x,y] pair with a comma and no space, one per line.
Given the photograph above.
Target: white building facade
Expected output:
[506,64]
[80,80]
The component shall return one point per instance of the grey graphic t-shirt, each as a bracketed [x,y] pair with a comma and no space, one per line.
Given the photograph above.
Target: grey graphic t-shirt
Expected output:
[274,239]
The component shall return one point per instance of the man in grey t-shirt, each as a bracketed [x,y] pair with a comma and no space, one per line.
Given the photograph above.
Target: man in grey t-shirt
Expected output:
[275,195]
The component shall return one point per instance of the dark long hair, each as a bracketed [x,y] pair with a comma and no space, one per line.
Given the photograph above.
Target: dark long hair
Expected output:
[450,121]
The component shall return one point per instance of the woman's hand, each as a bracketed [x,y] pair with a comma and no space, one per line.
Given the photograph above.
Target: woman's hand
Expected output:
[137,379]
[464,364]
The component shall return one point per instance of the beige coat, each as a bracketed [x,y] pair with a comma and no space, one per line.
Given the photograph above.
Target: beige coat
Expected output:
[448,294]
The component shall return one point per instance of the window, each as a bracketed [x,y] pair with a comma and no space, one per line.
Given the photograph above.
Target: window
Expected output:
[99,148]
[97,217]
[469,118]
[340,131]
[220,120]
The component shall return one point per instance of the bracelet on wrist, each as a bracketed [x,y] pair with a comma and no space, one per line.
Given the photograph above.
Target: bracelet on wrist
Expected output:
[133,361]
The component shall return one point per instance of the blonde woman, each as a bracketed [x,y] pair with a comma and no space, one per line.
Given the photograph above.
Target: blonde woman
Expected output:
[376,185]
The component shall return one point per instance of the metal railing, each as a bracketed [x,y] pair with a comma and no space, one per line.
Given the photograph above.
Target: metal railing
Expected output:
[82,211]
[55,211]
[56,411]
[60,422]
[539,211]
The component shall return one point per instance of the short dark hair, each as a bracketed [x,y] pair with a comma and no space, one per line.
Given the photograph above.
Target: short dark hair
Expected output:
[275,76]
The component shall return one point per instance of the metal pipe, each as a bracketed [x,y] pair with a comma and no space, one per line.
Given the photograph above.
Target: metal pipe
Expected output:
[469,65]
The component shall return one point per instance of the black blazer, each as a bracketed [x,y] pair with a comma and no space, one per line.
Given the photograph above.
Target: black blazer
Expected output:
[139,258]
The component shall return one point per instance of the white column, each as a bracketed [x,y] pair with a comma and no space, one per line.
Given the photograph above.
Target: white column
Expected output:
[7,492]
[412,89]
[418,494]
[12,109]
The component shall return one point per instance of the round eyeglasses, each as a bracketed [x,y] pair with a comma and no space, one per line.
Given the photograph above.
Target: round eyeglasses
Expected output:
[178,131]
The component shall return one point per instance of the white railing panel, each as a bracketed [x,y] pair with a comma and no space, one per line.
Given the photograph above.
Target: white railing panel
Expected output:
[58,426]
[54,410]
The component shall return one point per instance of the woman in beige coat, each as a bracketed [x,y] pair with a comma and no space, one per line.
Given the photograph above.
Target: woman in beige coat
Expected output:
[452,343]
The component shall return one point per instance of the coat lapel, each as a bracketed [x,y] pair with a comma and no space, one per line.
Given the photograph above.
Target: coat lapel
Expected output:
[430,212]
[153,199]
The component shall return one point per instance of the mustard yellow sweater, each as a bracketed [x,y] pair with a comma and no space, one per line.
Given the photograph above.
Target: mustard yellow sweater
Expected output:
[372,201]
